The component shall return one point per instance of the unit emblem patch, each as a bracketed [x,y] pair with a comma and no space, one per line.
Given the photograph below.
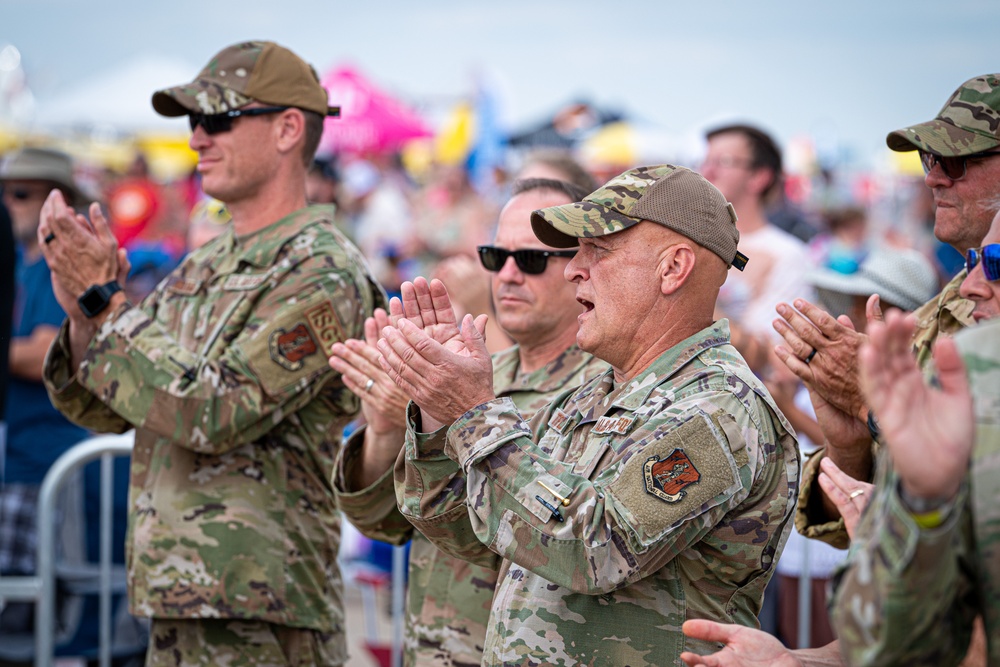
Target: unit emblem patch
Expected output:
[667,478]
[289,348]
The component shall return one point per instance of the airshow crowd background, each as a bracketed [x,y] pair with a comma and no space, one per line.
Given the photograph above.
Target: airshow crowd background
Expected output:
[418,198]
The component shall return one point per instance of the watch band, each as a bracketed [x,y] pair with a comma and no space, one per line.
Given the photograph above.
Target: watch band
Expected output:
[96,298]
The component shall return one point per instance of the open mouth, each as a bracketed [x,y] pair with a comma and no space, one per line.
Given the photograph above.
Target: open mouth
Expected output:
[586,304]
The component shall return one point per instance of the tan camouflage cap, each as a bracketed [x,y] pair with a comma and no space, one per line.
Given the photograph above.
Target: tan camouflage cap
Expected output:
[968,123]
[674,197]
[244,73]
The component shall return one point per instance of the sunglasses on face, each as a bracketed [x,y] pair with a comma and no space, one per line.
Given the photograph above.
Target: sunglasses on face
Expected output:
[531,262]
[24,194]
[952,167]
[989,256]
[217,123]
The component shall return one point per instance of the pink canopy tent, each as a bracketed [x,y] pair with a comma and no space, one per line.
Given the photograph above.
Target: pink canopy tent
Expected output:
[370,120]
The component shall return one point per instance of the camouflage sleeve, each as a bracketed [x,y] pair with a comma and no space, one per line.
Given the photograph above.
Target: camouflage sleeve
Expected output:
[70,397]
[905,595]
[271,367]
[372,510]
[611,532]
[809,516]
[431,494]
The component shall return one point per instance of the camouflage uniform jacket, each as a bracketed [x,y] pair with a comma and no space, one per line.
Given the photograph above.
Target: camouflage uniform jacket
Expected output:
[448,599]
[679,488]
[223,373]
[908,596]
[946,314]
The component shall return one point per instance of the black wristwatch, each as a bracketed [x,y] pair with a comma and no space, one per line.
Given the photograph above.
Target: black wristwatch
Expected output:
[97,297]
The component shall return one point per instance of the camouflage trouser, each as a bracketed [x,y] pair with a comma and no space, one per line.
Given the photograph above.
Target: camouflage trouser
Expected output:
[238,643]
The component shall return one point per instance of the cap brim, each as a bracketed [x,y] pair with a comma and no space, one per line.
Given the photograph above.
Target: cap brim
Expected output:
[857,284]
[16,174]
[941,138]
[842,283]
[199,96]
[562,226]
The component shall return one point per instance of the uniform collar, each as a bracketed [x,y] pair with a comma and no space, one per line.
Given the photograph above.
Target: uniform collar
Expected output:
[507,375]
[261,247]
[636,391]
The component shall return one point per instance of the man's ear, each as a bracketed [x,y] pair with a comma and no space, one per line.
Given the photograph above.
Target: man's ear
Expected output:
[675,266]
[289,129]
[761,179]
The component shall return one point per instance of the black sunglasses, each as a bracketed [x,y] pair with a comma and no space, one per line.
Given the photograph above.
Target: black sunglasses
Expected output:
[23,194]
[531,262]
[989,255]
[223,122]
[952,167]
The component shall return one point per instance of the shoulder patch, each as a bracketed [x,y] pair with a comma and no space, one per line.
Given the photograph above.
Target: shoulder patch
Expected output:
[674,475]
[323,320]
[667,478]
[289,348]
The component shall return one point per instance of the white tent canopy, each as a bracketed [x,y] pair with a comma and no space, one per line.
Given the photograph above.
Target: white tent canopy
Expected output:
[118,98]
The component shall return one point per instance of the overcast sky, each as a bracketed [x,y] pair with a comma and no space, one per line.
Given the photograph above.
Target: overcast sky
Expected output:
[845,72]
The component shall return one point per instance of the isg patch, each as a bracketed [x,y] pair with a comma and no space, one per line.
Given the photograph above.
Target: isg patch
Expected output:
[667,478]
[325,323]
[289,348]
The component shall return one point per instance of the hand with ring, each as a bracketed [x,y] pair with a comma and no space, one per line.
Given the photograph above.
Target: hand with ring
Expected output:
[382,402]
[851,496]
[809,330]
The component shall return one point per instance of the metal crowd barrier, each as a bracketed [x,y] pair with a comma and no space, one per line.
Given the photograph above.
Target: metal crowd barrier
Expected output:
[41,588]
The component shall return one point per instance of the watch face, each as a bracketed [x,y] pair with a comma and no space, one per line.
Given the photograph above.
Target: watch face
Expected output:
[97,297]
[92,302]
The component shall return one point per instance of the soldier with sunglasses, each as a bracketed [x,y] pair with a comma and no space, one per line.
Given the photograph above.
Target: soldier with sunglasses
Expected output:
[928,556]
[960,152]
[660,490]
[448,599]
[222,372]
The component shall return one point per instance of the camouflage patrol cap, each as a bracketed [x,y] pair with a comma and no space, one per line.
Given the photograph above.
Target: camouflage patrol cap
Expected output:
[968,123]
[674,197]
[243,73]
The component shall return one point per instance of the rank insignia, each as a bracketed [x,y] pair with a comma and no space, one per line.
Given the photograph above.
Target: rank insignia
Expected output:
[289,348]
[667,478]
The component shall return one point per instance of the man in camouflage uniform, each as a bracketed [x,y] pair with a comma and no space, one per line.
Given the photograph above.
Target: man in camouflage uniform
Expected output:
[659,491]
[926,558]
[448,599]
[233,530]
[960,149]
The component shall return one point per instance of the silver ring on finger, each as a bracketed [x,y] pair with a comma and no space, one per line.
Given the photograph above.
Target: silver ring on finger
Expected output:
[855,493]
[369,385]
